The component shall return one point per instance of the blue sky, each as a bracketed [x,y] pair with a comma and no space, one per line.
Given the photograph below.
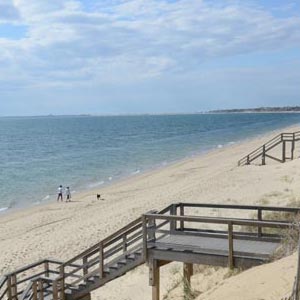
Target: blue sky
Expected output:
[147,56]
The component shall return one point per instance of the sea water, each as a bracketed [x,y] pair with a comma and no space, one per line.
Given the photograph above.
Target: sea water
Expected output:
[37,154]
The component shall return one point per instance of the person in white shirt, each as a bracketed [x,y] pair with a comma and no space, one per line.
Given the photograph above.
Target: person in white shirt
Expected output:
[60,193]
[68,194]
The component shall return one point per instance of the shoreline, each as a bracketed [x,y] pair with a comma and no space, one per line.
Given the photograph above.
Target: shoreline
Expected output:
[82,192]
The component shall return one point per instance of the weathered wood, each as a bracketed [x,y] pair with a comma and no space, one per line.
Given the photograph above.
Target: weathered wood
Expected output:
[14,289]
[34,290]
[297,282]
[264,155]
[187,272]
[9,292]
[101,262]
[173,222]
[283,151]
[46,268]
[40,288]
[62,282]
[55,290]
[154,279]
[85,269]
[181,214]
[215,220]
[144,219]
[230,246]
[259,218]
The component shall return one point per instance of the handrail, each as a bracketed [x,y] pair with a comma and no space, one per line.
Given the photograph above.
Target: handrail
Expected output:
[240,207]
[2,281]
[217,220]
[260,151]
[103,242]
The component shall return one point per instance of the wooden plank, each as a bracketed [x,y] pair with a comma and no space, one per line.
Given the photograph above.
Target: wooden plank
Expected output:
[215,220]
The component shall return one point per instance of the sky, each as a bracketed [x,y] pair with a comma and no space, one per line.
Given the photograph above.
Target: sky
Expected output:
[147,56]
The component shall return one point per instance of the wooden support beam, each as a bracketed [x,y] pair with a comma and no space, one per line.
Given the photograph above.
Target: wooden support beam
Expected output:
[173,212]
[264,155]
[230,246]
[154,279]
[14,292]
[181,214]
[9,293]
[187,272]
[259,218]
[283,151]
[293,147]
[46,268]
[85,269]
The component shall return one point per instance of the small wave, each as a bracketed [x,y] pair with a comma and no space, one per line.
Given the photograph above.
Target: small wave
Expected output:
[46,198]
[3,209]
[231,143]
[136,172]
[95,184]
[110,178]
[220,146]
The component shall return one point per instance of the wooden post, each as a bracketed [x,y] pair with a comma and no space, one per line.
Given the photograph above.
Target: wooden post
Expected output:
[152,230]
[283,151]
[46,268]
[41,291]
[62,282]
[293,147]
[101,261]
[248,160]
[144,220]
[297,290]
[264,155]
[14,292]
[259,218]
[154,278]
[187,272]
[55,290]
[34,290]
[173,222]
[85,268]
[124,242]
[181,214]
[9,292]
[230,246]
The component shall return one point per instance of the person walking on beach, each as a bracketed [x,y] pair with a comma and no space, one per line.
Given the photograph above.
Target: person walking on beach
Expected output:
[60,193]
[68,194]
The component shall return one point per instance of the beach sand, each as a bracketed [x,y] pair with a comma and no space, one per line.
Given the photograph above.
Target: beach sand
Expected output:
[61,230]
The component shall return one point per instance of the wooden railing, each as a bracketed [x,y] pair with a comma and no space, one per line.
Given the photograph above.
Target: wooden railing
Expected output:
[158,226]
[262,151]
[50,277]
[14,284]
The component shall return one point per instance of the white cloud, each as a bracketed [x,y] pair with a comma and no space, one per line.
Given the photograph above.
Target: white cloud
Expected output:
[133,40]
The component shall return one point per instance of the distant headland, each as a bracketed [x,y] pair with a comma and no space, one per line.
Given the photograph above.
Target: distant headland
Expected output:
[282,109]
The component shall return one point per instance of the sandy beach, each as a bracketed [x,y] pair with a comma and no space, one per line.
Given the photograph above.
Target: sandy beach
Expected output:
[61,230]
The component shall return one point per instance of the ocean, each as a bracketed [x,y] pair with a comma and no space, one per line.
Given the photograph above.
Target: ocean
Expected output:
[37,154]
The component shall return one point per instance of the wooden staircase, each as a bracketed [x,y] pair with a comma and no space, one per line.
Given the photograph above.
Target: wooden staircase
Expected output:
[175,233]
[262,153]
[76,278]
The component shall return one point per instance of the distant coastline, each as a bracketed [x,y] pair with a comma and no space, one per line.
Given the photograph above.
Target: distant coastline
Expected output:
[284,109]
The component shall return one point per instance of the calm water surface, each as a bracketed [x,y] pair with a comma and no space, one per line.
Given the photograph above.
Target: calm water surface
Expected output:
[39,153]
